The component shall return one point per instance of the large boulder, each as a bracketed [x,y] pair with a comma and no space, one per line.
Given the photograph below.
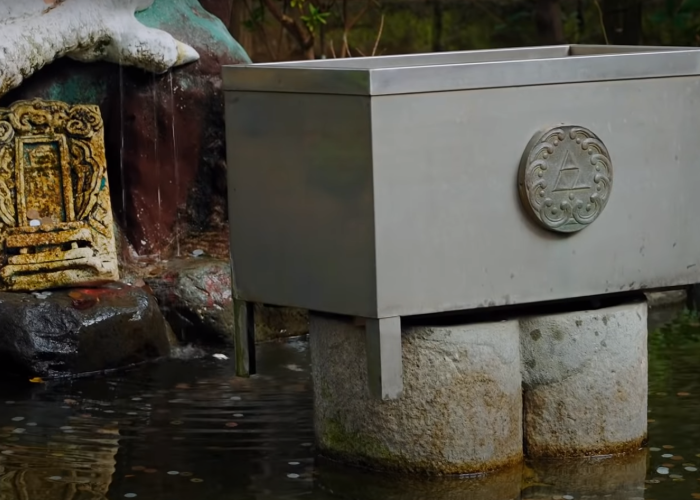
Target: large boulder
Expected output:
[68,332]
[195,296]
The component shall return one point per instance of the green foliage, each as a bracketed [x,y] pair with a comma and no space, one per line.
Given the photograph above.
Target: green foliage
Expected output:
[410,26]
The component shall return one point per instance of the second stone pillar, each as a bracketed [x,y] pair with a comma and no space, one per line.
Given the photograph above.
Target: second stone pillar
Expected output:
[585,381]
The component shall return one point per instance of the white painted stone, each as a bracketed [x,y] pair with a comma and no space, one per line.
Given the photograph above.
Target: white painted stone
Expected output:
[34,33]
[461,406]
[585,381]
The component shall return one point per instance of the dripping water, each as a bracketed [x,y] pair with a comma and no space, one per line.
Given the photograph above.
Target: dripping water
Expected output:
[156,135]
[175,165]
[122,178]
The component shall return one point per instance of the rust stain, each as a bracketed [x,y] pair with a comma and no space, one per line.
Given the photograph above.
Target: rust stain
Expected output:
[55,213]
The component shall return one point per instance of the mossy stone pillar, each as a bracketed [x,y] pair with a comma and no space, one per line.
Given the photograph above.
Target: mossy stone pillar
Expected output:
[460,411]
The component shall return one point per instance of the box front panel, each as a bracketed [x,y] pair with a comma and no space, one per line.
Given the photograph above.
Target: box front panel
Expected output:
[452,232]
[300,200]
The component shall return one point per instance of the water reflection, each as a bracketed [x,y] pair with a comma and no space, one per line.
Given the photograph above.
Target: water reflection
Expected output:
[189,428]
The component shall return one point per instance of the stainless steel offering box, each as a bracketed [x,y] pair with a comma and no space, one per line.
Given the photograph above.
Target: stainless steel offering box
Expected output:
[392,186]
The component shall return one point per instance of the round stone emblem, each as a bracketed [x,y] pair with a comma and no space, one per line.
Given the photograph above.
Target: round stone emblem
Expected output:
[565,178]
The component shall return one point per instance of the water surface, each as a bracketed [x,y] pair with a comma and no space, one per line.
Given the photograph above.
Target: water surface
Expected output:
[187,429]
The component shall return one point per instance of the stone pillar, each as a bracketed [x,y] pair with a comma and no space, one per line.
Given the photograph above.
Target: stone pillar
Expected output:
[585,381]
[461,407]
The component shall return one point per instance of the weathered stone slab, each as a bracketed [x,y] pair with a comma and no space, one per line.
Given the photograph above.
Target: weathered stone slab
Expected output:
[461,407]
[585,381]
[56,223]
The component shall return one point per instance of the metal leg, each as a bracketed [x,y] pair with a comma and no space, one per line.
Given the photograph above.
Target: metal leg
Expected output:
[244,337]
[384,357]
[693,297]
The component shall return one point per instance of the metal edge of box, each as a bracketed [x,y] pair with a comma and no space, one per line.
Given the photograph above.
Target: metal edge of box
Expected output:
[252,78]
[585,63]
[500,74]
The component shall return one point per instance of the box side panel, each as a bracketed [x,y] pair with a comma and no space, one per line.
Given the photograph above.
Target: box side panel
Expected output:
[452,233]
[300,200]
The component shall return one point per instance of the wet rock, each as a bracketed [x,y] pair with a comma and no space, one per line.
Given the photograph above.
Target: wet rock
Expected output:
[168,133]
[74,331]
[195,296]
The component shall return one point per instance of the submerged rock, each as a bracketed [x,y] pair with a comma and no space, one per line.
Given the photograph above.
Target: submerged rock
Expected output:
[195,296]
[67,332]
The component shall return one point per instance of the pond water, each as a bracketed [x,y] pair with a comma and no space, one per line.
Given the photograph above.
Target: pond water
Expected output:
[189,429]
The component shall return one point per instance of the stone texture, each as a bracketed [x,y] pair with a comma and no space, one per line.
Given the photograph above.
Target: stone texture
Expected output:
[56,220]
[83,30]
[461,407]
[667,298]
[195,296]
[585,381]
[164,134]
[79,331]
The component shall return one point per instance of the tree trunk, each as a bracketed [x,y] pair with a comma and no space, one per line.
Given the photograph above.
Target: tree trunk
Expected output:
[623,21]
[437,25]
[548,22]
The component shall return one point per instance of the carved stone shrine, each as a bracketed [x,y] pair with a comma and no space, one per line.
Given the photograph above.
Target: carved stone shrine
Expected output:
[56,223]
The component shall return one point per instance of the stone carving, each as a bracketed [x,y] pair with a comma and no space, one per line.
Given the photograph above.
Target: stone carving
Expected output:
[565,178]
[55,214]
[85,30]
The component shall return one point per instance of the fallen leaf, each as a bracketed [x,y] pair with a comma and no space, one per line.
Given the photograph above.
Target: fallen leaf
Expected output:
[33,213]
[683,394]
[75,295]
[231,424]
[36,380]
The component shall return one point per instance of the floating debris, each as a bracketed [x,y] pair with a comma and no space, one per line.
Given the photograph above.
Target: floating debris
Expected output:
[238,415]
[173,473]
[130,495]
[54,478]
[293,463]
[197,253]
[691,469]
[654,449]
[662,470]
[295,476]
[17,419]
[219,356]
[667,455]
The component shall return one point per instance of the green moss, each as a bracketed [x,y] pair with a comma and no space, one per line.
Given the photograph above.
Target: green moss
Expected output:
[339,440]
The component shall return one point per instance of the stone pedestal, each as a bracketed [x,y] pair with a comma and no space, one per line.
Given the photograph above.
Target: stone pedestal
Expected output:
[585,381]
[461,407]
